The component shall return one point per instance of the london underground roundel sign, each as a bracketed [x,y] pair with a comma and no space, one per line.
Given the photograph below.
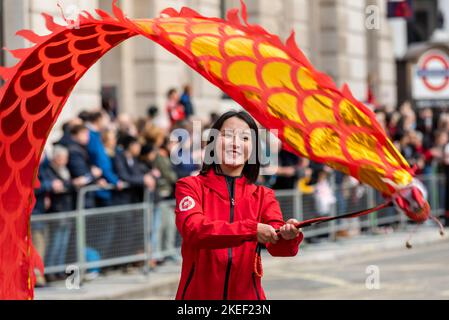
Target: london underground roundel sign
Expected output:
[431,76]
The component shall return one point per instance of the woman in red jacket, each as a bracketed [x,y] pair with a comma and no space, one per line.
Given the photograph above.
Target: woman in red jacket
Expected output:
[222,216]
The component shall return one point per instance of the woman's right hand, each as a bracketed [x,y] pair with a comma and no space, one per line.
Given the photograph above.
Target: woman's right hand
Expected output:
[266,234]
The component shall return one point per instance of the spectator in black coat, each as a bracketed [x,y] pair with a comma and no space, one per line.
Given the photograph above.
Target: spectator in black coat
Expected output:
[131,171]
[40,229]
[61,201]
[427,124]
[81,169]
[66,128]
[59,175]
[287,174]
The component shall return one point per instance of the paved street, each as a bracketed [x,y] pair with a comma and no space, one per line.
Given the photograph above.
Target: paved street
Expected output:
[329,270]
[421,273]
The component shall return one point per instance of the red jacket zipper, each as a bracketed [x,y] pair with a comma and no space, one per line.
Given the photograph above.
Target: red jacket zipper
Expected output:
[231,220]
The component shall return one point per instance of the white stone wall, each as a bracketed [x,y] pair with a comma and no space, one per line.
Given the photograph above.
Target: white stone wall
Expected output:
[383,63]
[16,17]
[332,33]
[156,69]
[148,71]
[26,14]
[350,51]
[344,46]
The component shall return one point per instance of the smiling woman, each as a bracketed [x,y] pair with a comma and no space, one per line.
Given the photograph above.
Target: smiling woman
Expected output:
[223,217]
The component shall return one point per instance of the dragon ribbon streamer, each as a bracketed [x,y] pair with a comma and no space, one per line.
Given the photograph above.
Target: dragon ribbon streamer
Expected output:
[272,80]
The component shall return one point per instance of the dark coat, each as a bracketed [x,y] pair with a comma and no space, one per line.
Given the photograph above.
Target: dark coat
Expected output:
[61,202]
[44,188]
[80,165]
[79,162]
[40,194]
[131,173]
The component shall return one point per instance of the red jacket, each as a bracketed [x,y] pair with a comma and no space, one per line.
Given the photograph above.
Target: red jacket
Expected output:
[220,237]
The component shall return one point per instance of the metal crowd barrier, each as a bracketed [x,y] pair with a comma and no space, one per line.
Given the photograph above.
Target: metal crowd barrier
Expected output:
[121,234]
[300,206]
[92,238]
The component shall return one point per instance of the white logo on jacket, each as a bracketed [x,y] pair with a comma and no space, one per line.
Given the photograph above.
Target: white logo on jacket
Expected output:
[186,203]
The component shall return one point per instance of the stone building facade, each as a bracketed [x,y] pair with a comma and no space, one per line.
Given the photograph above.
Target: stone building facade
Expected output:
[339,36]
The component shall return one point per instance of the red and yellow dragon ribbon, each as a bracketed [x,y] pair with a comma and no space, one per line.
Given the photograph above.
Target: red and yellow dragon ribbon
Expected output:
[272,80]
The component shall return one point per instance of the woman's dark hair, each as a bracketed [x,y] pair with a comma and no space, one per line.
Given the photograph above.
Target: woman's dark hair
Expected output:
[251,170]
[66,127]
[74,131]
[127,141]
[146,149]
[84,115]
[152,111]
[94,116]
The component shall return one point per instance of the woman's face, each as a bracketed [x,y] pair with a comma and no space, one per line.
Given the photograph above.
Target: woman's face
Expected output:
[110,140]
[135,149]
[234,143]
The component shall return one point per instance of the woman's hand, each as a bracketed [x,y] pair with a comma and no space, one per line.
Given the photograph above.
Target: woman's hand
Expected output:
[289,231]
[266,234]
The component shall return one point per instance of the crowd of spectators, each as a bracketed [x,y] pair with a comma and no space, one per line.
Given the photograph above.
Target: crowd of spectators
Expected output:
[121,156]
[102,149]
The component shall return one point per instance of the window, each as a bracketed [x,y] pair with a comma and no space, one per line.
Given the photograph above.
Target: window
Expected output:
[424,22]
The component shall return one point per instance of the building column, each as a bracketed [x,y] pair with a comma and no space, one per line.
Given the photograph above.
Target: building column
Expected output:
[125,55]
[343,46]
[207,97]
[381,58]
[314,21]
[281,17]
[16,17]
